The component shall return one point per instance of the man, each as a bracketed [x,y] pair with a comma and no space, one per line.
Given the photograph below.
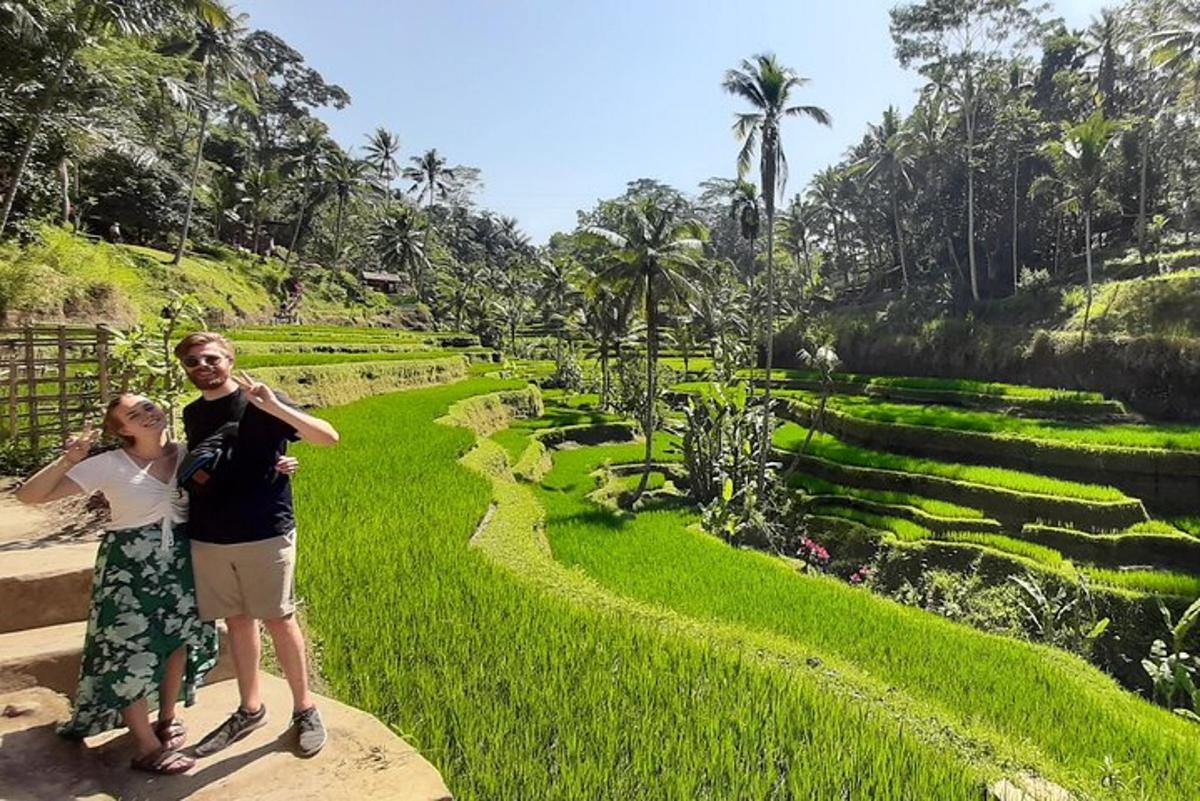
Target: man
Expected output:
[243,532]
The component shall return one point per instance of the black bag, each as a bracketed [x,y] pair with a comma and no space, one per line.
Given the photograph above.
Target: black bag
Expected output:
[205,465]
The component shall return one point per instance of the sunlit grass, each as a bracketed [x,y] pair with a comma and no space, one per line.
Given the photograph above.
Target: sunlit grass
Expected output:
[1030,698]
[1127,435]
[514,694]
[817,486]
[790,437]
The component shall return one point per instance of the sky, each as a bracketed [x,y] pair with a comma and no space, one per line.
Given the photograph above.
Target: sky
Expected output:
[561,102]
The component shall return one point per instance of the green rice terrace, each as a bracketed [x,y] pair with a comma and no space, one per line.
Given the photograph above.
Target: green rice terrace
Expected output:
[476,577]
[861,462]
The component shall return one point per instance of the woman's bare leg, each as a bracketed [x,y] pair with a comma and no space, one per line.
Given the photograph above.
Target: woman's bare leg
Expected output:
[172,682]
[136,717]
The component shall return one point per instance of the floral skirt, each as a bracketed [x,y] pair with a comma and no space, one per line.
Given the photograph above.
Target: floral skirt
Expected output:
[143,609]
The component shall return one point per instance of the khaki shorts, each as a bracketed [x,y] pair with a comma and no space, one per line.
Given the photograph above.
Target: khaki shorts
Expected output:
[254,579]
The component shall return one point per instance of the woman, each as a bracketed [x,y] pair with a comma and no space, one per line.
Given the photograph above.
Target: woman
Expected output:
[145,640]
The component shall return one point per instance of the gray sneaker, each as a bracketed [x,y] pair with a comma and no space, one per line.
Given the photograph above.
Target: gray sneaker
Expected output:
[311,731]
[239,724]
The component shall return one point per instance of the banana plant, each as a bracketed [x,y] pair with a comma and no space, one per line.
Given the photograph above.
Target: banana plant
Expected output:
[1172,669]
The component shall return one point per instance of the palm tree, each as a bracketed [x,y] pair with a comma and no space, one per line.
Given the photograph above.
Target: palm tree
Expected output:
[1078,159]
[606,311]
[398,242]
[745,211]
[893,159]
[796,228]
[65,34]
[767,85]
[345,174]
[430,176]
[382,147]
[307,161]
[259,193]
[557,295]
[656,255]
[217,51]
[826,192]
[458,287]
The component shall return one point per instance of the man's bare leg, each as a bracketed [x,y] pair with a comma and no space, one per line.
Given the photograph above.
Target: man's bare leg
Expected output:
[289,649]
[246,646]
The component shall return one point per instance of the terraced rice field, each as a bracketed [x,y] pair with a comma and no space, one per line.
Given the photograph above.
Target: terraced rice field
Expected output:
[624,655]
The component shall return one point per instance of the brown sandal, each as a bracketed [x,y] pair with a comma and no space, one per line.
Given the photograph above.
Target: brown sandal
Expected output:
[171,733]
[164,762]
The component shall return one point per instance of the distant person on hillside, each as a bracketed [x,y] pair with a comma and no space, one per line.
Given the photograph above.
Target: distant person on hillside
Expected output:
[243,529]
[145,642]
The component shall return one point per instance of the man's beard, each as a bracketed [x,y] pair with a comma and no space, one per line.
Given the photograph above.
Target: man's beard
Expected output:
[211,381]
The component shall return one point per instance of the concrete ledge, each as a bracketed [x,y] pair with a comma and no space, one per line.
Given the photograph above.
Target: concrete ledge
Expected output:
[45,586]
[49,657]
[362,760]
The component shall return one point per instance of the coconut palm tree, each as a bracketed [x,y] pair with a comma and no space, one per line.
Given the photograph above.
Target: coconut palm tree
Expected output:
[65,31]
[346,176]
[217,52]
[398,241]
[826,193]
[307,162]
[1078,159]
[745,209]
[656,255]
[557,294]
[795,231]
[892,161]
[431,178]
[768,86]
[382,147]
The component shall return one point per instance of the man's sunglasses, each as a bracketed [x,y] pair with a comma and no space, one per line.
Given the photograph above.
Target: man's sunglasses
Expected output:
[209,359]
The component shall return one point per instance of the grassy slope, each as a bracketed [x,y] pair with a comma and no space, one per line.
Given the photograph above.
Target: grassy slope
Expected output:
[1031,701]
[513,694]
[63,276]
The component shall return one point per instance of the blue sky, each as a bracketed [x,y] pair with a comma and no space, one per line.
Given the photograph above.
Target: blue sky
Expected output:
[561,102]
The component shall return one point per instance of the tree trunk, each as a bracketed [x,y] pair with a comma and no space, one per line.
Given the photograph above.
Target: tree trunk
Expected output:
[64,174]
[764,445]
[337,231]
[604,373]
[299,224]
[39,118]
[1087,310]
[899,239]
[1058,241]
[1141,218]
[1016,172]
[651,356]
[971,215]
[187,216]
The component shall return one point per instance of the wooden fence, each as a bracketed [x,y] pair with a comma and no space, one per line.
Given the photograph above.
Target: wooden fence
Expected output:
[54,378]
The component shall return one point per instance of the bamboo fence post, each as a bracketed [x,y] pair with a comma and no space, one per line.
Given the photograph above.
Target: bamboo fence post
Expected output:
[11,354]
[62,382]
[31,380]
[102,363]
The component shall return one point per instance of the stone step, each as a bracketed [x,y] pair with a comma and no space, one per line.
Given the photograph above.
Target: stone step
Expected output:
[45,586]
[362,760]
[49,657]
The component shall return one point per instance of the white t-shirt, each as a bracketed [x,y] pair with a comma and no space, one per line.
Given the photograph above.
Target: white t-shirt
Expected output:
[135,496]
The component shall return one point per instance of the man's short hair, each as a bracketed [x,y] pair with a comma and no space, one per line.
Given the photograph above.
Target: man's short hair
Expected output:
[198,338]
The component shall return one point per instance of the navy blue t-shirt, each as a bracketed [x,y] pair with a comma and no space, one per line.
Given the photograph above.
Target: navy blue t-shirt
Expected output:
[254,501]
